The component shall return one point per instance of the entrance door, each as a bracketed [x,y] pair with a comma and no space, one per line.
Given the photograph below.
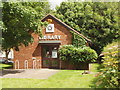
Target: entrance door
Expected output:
[50,56]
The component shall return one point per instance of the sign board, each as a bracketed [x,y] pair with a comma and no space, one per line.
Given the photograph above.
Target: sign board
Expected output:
[50,28]
[50,37]
[54,54]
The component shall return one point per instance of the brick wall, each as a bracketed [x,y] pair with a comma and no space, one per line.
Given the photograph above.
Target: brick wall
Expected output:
[27,53]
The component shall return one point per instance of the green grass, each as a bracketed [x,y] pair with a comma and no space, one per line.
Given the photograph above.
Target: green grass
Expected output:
[2,66]
[94,67]
[62,79]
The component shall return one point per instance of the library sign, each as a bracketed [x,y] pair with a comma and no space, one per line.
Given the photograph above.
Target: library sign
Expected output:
[50,37]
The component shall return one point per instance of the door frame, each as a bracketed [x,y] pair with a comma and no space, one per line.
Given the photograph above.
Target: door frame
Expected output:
[50,59]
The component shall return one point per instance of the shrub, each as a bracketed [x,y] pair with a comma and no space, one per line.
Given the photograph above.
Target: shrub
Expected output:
[75,55]
[109,75]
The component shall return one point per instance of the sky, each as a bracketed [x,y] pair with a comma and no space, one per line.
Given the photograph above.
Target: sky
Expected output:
[54,3]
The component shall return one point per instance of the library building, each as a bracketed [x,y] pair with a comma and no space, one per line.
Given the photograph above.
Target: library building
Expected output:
[43,52]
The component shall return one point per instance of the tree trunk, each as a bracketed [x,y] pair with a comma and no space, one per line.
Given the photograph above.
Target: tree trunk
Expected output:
[7,53]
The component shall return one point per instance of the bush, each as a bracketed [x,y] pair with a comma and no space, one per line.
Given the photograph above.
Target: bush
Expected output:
[75,55]
[109,75]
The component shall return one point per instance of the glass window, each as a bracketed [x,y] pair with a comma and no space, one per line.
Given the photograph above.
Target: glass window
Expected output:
[46,52]
[50,52]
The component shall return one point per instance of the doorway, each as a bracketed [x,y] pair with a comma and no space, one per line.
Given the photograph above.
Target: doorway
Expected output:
[50,56]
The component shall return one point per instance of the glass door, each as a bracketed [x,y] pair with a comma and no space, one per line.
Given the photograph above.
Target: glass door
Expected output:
[50,56]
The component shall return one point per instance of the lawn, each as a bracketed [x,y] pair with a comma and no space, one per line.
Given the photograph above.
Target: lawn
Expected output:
[2,66]
[62,79]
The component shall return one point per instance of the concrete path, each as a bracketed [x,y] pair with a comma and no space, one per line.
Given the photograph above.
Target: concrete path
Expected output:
[29,73]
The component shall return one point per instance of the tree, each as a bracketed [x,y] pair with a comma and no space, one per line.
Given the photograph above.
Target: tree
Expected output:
[109,74]
[19,20]
[96,20]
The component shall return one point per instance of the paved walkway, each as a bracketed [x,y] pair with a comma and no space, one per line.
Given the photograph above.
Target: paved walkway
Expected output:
[30,73]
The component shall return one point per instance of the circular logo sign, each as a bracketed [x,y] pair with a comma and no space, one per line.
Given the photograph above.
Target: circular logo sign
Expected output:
[49,27]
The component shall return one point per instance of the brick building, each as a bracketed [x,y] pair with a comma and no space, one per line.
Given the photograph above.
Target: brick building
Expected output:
[42,53]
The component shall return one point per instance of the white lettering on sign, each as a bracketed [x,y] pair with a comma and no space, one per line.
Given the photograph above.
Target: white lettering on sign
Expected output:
[51,37]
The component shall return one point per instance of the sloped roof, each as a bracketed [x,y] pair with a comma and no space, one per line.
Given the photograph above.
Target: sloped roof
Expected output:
[65,25]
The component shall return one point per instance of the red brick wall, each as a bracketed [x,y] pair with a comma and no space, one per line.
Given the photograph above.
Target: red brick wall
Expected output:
[26,53]
[34,49]
[59,29]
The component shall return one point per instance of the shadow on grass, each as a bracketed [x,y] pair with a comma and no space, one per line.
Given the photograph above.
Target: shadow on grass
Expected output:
[10,71]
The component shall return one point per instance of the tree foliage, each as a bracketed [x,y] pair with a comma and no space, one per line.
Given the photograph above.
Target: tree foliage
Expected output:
[19,20]
[76,55]
[96,20]
[77,40]
[109,76]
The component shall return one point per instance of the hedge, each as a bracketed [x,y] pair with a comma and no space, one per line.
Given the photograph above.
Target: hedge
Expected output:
[75,55]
